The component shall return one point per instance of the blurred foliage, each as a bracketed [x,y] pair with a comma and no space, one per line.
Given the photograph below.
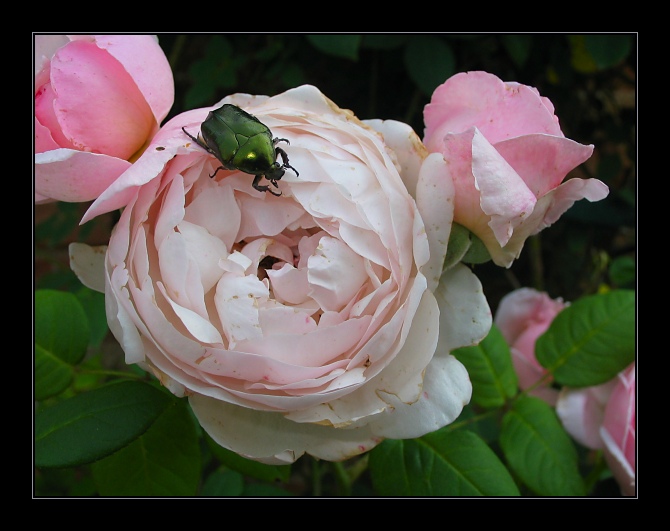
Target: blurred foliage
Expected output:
[590,80]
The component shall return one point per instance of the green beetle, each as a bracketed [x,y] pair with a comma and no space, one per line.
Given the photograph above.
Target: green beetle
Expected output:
[240,141]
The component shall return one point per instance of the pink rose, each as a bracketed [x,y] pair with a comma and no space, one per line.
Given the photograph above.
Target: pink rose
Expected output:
[603,417]
[311,322]
[98,101]
[507,157]
[522,316]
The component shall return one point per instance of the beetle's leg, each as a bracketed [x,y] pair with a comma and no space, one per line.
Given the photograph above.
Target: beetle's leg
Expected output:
[264,187]
[216,171]
[284,158]
[197,141]
[275,141]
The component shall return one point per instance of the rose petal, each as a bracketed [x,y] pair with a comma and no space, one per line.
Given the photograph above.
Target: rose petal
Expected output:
[289,284]
[503,194]
[446,390]
[582,414]
[335,274]
[499,110]
[402,377]
[465,316]
[150,70]
[543,161]
[43,139]
[93,88]
[88,263]
[236,301]
[272,439]
[74,176]
[200,328]
[435,201]
[407,147]
[171,140]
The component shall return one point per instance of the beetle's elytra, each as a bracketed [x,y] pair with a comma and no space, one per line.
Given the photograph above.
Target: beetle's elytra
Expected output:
[240,141]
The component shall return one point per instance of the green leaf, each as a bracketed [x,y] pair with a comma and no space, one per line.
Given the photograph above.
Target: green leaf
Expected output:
[538,449]
[477,253]
[622,271]
[518,47]
[61,326]
[590,341]
[429,62]
[163,461]
[95,424]
[345,46]
[247,467]
[216,69]
[223,483]
[489,365]
[464,246]
[52,375]
[607,50]
[93,303]
[443,463]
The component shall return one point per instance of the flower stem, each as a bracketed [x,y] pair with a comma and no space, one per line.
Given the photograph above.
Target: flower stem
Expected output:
[316,478]
[343,479]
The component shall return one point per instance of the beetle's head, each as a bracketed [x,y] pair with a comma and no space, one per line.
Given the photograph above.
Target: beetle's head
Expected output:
[275,173]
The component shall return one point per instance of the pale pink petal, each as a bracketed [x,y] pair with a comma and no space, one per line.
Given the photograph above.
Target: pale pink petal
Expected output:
[582,414]
[366,244]
[205,250]
[93,88]
[254,372]
[335,274]
[258,249]
[171,140]
[214,207]
[88,263]
[289,284]
[505,198]
[74,176]
[122,317]
[297,347]
[519,307]
[543,161]
[435,197]
[457,151]
[465,316]
[402,377]
[45,113]
[446,390]
[499,110]
[272,439]
[200,328]
[619,430]
[558,201]
[43,139]
[407,148]
[150,69]
[619,464]
[236,302]
[263,216]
